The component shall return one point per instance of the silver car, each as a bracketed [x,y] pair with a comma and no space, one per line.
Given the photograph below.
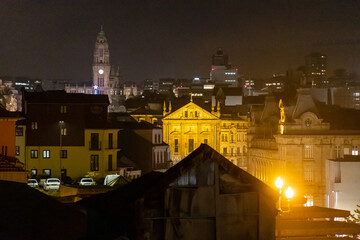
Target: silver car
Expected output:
[86,182]
[52,184]
[33,183]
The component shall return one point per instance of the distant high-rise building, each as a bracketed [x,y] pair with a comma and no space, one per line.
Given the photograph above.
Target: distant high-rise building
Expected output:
[315,67]
[221,71]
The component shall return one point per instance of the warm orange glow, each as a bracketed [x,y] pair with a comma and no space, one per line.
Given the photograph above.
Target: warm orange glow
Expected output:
[289,193]
[281,129]
[279,183]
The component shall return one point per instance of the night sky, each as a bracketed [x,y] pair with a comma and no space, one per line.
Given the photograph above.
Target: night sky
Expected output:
[175,38]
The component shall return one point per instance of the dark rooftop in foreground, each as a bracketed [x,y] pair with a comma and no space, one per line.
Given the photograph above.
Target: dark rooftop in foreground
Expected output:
[63,97]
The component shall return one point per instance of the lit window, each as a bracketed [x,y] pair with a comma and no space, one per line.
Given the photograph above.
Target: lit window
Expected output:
[308,152]
[34,125]
[63,131]
[34,153]
[17,150]
[355,151]
[46,153]
[47,172]
[309,200]
[34,172]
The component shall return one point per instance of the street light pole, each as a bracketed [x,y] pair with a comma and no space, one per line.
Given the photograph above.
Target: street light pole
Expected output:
[61,123]
[279,183]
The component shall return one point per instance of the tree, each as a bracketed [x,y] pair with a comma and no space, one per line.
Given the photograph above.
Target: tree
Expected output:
[354,218]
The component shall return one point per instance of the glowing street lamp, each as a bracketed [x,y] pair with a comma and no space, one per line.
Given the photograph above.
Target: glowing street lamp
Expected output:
[289,194]
[279,184]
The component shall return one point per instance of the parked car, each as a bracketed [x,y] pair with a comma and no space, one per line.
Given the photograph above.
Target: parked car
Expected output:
[86,182]
[52,184]
[33,183]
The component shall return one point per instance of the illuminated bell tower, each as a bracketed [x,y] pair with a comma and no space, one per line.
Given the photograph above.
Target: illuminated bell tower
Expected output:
[101,65]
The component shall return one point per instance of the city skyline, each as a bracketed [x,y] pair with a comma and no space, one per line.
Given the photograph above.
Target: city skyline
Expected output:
[175,38]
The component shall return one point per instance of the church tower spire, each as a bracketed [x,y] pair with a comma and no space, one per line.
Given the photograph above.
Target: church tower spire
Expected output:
[101,64]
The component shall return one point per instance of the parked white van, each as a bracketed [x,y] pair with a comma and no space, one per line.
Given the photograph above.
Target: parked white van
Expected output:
[110,180]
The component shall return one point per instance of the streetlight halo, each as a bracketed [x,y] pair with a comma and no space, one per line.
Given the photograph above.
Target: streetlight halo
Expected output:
[289,193]
[279,183]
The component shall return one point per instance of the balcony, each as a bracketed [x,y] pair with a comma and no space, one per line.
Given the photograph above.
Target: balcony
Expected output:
[94,146]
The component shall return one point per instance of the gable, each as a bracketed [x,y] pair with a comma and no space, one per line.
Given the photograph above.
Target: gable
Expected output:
[191,111]
[304,103]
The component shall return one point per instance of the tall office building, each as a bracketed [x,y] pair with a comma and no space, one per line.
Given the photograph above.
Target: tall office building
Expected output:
[221,71]
[315,66]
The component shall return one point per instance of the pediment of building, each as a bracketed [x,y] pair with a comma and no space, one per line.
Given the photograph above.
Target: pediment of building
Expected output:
[191,111]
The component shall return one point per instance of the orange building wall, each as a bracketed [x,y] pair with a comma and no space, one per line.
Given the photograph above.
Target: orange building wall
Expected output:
[7,136]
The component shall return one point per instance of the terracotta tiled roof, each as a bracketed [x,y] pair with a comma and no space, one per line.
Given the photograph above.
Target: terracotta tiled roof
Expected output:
[10,164]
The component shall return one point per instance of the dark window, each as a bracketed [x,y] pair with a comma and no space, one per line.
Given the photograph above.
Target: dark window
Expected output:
[118,163]
[110,162]
[205,141]
[94,144]
[4,150]
[63,109]
[110,140]
[63,153]
[63,173]
[224,150]
[34,153]
[196,114]
[94,163]
[17,150]
[186,114]
[191,145]
[176,148]
[47,172]
[46,153]
[19,131]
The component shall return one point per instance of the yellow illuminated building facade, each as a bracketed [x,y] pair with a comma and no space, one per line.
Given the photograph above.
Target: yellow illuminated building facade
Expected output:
[97,156]
[191,125]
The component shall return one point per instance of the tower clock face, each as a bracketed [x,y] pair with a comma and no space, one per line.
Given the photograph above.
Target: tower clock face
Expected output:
[101,71]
